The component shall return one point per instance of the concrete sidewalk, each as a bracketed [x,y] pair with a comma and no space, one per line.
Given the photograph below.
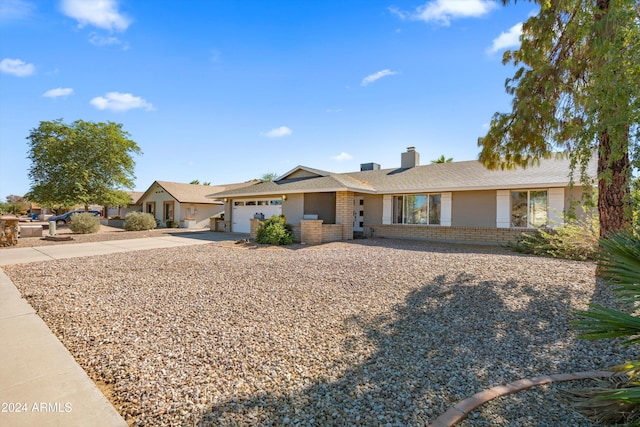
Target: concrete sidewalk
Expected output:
[41,384]
[73,250]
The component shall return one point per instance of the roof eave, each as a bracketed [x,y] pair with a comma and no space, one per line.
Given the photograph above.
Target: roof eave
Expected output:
[301,191]
[480,188]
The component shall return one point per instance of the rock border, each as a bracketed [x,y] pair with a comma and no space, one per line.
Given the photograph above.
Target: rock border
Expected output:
[460,410]
[58,238]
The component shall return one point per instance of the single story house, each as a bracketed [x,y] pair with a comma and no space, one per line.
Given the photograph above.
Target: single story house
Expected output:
[133,206]
[186,203]
[457,201]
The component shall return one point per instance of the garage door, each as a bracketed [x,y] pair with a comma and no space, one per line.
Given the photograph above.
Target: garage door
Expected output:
[244,210]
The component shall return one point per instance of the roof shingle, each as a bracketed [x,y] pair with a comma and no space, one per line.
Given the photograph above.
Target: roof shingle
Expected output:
[454,176]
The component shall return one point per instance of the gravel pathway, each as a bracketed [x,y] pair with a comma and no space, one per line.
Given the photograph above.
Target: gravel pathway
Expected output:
[371,332]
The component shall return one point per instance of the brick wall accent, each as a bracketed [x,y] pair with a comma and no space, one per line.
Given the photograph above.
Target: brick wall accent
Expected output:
[296,230]
[311,231]
[254,224]
[483,235]
[344,213]
[217,224]
[331,232]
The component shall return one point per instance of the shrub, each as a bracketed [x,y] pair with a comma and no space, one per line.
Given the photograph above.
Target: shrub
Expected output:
[274,231]
[138,221]
[84,223]
[577,240]
[619,401]
[170,223]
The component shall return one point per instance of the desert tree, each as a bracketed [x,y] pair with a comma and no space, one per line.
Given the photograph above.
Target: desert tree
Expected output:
[576,92]
[81,163]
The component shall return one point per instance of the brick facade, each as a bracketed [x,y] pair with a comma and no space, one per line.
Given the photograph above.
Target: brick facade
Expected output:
[314,232]
[311,231]
[332,233]
[344,213]
[483,235]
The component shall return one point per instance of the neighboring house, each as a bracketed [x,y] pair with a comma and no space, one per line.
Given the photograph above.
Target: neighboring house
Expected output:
[133,206]
[38,210]
[457,201]
[187,203]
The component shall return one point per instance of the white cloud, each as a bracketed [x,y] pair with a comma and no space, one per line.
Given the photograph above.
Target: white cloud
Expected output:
[373,77]
[99,13]
[98,40]
[342,157]
[507,39]
[116,101]
[15,10]
[443,11]
[278,132]
[17,67]
[55,93]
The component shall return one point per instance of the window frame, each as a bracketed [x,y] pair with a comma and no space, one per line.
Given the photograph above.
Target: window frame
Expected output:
[165,205]
[151,208]
[529,209]
[399,206]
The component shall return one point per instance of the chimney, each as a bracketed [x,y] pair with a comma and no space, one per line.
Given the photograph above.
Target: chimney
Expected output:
[369,167]
[410,159]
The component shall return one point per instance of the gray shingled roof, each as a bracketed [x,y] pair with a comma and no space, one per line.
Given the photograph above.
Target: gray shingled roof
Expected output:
[454,176]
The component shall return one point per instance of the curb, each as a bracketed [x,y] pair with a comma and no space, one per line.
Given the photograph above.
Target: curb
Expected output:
[460,410]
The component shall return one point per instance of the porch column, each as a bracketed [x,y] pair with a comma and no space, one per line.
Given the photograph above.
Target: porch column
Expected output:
[344,213]
[311,231]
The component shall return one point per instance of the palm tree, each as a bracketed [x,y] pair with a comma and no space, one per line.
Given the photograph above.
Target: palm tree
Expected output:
[442,159]
[619,263]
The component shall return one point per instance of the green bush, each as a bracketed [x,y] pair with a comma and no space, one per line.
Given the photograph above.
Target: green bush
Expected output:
[170,223]
[138,221]
[577,240]
[274,231]
[84,223]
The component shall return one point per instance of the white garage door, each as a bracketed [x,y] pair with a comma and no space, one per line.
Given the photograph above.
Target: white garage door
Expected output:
[244,210]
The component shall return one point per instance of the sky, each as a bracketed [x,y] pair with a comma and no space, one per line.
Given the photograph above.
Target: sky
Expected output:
[227,91]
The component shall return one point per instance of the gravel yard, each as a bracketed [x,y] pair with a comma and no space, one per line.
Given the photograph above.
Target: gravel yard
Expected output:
[370,332]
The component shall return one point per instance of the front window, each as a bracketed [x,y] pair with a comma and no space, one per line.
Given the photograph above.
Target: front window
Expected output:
[529,208]
[168,211]
[417,209]
[151,208]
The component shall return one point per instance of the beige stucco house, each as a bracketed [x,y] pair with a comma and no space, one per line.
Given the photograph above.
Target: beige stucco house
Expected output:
[122,211]
[186,203]
[457,201]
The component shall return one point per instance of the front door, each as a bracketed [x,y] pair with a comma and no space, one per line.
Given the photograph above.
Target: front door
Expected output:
[358,213]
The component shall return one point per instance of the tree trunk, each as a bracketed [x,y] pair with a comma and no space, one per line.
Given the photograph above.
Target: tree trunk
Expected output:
[613,189]
[614,169]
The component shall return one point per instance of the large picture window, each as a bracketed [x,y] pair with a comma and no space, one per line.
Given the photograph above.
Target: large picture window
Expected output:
[529,208]
[417,209]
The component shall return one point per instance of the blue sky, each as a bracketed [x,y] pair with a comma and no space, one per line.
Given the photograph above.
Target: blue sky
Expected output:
[225,91]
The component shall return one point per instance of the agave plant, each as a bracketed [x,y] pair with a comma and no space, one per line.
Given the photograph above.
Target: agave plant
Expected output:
[619,264]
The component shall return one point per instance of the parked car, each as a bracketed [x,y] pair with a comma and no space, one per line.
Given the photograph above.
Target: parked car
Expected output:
[65,218]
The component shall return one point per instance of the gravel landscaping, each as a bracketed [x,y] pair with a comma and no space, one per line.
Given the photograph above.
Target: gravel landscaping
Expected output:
[370,332]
